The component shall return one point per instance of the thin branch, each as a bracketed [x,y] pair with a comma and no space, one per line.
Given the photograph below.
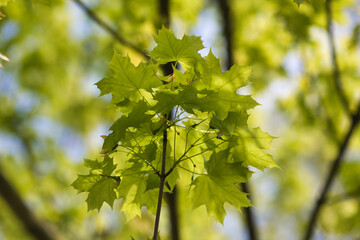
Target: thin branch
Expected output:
[227,30]
[335,66]
[164,8]
[331,175]
[162,183]
[91,14]
[249,215]
[344,144]
[23,213]
[164,13]
[228,34]
[172,199]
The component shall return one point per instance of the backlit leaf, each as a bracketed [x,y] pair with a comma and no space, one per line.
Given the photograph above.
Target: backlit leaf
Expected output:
[128,80]
[171,49]
[98,183]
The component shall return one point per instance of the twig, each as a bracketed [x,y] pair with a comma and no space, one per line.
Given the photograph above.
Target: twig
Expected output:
[335,66]
[331,175]
[226,15]
[19,208]
[91,14]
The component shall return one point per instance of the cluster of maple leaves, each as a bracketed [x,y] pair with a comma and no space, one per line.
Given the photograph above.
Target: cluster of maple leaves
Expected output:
[210,146]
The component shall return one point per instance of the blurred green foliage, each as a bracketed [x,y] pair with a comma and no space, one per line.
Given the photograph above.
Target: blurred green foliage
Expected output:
[50,115]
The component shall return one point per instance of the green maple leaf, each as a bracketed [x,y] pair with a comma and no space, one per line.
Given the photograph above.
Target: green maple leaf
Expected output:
[170,49]
[102,191]
[105,167]
[189,98]
[127,80]
[249,149]
[186,97]
[218,186]
[230,125]
[212,77]
[223,102]
[248,144]
[134,119]
[152,182]
[231,172]
[133,189]
[98,183]
[183,78]
[186,137]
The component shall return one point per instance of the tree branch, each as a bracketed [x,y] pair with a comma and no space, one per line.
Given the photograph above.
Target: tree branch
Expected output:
[331,175]
[335,67]
[228,34]
[344,144]
[19,208]
[162,184]
[250,216]
[91,14]
[171,197]
[173,209]
[227,30]
[164,12]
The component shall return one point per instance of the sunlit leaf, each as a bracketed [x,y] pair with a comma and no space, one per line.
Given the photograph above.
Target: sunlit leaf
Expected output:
[98,183]
[171,49]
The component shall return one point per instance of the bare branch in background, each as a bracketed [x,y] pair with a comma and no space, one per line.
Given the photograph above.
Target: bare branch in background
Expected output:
[335,66]
[342,145]
[331,175]
[22,212]
[228,34]
[227,30]
[91,14]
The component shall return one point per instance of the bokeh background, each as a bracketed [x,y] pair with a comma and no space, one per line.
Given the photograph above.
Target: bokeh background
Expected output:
[305,74]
